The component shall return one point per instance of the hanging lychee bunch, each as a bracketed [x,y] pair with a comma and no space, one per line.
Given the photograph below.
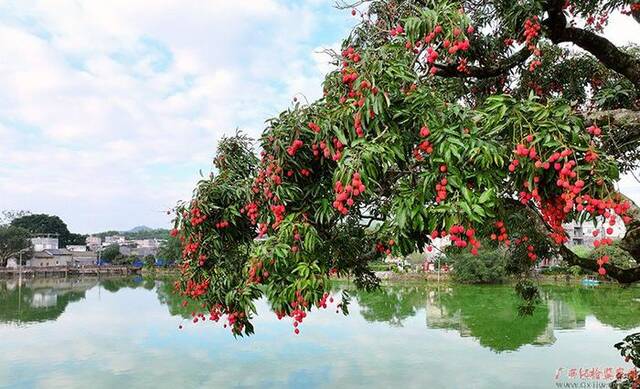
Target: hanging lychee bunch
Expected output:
[202,259]
[358,124]
[441,186]
[530,192]
[594,130]
[270,176]
[454,45]
[322,303]
[222,224]
[532,29]
[398,30]
[531,252]
[196,289]
[257,273]
[197,217]
[349,77]
[435,234]
[251,209]
[603,260]
[295,146]
[501,235]
[386,249]
[553,214]
[424,147]
[298,313]
[278,213]
[304,172]
[338,147]
[462,238]
[314,127]
[190,248]
[591,156]
[345,194]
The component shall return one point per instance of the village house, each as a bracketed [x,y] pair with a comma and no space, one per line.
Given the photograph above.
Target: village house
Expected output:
[77,248]
[582,234]
[84,258]
[43,242]
[12,263]
[93,242]
[51,257]
[114,239]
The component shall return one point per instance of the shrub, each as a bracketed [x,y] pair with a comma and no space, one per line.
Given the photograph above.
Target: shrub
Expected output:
[617,256]
[489,266]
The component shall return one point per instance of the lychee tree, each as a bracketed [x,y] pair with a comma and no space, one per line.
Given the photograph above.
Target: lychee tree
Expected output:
[488,122]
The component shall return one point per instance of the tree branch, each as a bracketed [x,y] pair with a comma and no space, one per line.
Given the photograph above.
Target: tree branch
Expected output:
[624,125]
[631,240]
[621,138]
[630,243]
[451,70]
[623,276]
[603,49]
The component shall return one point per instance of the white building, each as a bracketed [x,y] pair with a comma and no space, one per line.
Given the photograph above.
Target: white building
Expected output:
[93,242]
[114,239]
[582,234]
[77,248]
[12,263]
[45,242]
[147,243]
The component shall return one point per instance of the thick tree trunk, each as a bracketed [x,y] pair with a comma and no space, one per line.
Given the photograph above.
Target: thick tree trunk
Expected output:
[630,243]
[558,30]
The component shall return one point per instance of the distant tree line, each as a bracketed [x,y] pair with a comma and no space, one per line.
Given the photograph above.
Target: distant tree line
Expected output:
[17,227]
[152,233]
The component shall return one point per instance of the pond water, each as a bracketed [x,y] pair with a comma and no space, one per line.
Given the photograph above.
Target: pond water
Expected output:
[124,333]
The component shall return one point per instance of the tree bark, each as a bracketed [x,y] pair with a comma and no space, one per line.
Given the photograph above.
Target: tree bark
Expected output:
[451,70]
[630,243]
[603,49]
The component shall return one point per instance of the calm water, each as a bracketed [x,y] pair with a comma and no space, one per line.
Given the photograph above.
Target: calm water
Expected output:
[124,333]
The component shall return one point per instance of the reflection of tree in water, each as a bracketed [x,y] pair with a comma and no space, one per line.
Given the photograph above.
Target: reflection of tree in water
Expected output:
[38,301]
[43,299]
[173,301]
[391,304]
[486,313]
[115,284]
[611,305]
[489,314]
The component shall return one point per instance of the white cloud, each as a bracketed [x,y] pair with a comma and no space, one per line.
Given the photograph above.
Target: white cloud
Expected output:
[109,109]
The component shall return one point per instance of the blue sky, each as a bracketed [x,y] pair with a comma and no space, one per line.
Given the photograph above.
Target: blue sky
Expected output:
[109,109]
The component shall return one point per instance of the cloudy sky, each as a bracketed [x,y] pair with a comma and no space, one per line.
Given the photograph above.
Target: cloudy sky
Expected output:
[109,109]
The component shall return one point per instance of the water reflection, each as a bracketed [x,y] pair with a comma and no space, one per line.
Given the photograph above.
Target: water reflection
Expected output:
[485,313]
[489,313]
[33,300]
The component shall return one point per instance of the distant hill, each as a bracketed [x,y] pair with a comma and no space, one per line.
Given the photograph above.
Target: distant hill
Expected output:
[140,229]
[140,232]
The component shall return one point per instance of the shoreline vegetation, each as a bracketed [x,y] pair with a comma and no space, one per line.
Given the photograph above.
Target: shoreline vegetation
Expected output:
[56,271]
[386,277]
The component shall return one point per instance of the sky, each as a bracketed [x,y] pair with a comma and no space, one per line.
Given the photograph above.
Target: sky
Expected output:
[110,109]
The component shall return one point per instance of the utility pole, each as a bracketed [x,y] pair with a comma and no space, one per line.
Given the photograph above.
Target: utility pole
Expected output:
[20,280]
